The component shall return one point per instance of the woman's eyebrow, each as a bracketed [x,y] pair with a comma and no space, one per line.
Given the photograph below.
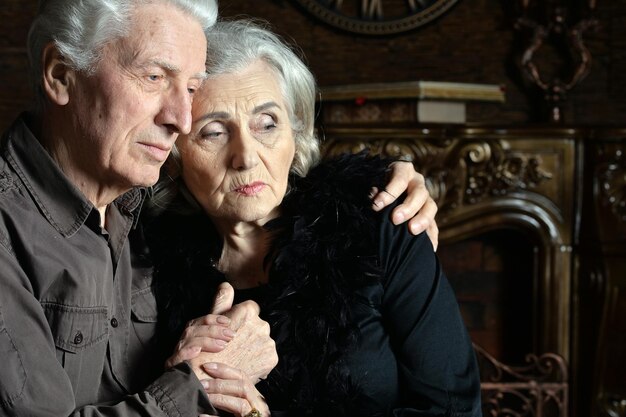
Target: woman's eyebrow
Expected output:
[213,115]
[265,106]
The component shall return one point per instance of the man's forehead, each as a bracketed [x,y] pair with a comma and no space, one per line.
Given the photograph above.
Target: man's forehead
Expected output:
[154,45]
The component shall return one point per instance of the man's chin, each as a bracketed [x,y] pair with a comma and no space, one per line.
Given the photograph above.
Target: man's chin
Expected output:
[147,178]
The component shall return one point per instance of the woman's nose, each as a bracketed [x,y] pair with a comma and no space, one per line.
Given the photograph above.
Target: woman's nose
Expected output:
[244,154]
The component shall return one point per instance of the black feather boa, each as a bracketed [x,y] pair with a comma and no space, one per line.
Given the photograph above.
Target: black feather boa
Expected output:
[324,249]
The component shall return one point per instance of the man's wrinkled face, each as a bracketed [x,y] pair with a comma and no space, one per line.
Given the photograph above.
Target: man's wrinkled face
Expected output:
[128,114]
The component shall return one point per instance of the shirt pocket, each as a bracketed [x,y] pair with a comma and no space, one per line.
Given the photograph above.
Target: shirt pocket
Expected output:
[144,315]
[12,373]
[79,335]
[143,349]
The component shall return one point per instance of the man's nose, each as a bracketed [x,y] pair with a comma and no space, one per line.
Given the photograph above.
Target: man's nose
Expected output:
[175,113]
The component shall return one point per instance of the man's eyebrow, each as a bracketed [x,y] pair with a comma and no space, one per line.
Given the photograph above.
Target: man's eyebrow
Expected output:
[176,70]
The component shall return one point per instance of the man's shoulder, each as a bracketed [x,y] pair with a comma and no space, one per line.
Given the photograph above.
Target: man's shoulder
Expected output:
[8,180]
[10,206]
[16,206]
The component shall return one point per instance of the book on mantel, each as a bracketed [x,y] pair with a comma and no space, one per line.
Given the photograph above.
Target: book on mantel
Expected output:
[437,102]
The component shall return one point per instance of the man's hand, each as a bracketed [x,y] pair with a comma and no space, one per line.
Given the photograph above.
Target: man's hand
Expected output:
[418,207]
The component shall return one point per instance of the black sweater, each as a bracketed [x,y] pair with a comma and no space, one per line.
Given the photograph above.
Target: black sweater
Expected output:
[364,319]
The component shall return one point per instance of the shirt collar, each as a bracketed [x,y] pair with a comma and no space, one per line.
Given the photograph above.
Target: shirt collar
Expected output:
[61,203]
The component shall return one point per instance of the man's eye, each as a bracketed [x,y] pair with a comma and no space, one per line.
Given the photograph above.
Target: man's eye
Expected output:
[154,77]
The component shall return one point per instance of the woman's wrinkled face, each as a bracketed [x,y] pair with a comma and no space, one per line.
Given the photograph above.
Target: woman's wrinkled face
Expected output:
[237,157]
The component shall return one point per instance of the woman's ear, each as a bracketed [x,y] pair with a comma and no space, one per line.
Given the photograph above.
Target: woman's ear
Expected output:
[57,75]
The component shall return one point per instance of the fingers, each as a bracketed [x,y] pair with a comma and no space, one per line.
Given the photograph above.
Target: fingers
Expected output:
[205,334]
[433,235]
[184,354]
[242,312]
[252,350]
[231,390]
[418,206]
[223,298]
[422,219]
[402,174]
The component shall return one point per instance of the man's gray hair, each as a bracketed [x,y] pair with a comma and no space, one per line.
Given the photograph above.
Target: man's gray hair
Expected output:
[81,28]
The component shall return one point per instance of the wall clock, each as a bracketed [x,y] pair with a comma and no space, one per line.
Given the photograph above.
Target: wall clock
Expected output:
[377,17]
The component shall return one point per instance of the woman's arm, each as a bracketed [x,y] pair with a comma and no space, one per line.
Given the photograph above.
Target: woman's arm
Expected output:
[436,362]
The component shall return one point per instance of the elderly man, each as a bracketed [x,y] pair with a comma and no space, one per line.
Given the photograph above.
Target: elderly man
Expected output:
[115,81]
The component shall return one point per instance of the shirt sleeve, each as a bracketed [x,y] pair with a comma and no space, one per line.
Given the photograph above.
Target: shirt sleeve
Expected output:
[33,381]
[436,362]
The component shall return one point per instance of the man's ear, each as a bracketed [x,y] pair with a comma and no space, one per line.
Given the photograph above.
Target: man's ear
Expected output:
[57,75]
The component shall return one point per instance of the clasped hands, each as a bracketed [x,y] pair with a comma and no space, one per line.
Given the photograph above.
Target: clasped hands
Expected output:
[229,350]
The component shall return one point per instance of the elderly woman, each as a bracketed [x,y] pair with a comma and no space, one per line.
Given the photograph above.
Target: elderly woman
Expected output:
[363,317]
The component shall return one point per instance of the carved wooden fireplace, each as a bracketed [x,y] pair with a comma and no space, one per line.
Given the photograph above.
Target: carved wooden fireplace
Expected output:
[505,215]
[513,206]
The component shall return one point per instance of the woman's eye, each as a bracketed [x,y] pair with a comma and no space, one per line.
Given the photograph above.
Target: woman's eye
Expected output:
[269,126]
[213,131]
[266,123]
[212,135]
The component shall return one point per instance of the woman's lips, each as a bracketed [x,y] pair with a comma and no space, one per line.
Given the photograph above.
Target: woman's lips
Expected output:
[250,189]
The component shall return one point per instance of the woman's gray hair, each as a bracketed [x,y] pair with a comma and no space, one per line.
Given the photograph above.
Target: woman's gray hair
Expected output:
[81,28]
[233,45]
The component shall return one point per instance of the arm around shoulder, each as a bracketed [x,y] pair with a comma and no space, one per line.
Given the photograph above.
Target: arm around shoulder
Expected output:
[436,360]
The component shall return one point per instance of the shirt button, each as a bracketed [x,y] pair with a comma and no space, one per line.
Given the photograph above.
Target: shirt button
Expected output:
[78,339]
[114,322]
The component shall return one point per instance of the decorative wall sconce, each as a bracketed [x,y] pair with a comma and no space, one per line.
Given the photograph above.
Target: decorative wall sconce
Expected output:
[551,22]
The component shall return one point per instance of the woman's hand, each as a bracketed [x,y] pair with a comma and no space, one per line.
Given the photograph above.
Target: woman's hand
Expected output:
[205,334]
[418,207]
[229,389]
[233,335]
[252,350]
[209,333]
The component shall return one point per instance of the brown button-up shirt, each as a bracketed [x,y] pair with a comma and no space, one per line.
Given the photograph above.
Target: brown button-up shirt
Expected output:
[77,311]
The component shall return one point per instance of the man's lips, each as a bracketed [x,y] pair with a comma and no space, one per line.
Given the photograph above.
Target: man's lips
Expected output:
[158,151]
[250,189]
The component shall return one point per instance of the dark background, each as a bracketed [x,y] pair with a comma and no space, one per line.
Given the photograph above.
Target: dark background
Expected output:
[475,41]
